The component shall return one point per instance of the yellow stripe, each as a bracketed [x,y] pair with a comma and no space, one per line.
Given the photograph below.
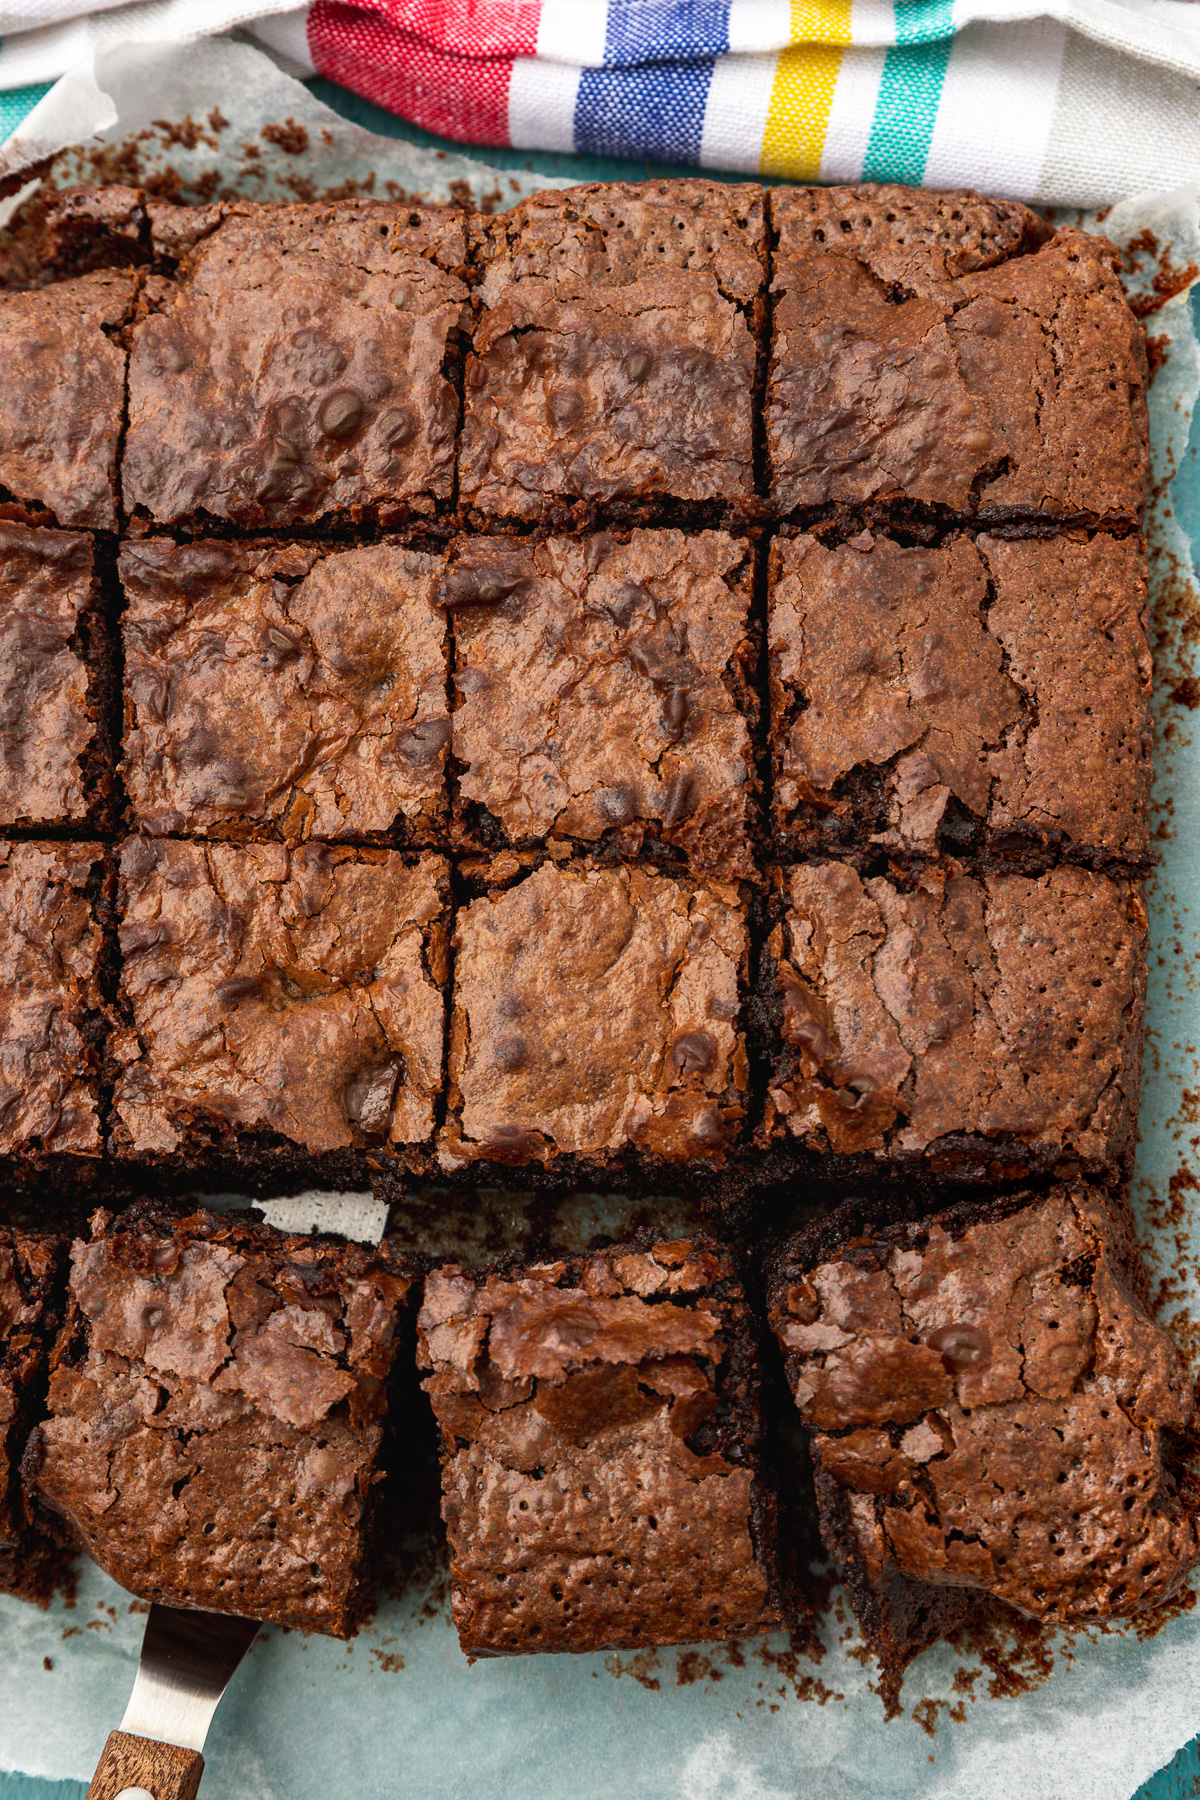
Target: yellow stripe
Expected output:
[798,115]
[820,21]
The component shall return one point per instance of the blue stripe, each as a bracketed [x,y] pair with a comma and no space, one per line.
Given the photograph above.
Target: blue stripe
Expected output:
[642,31]
[656,113]
[18,103]
[905,112]
[921,21]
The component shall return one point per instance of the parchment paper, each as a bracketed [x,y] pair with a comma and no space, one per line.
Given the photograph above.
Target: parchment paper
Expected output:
[400,1711]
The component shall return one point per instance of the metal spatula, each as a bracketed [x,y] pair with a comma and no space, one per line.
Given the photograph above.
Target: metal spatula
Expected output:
[186,1663]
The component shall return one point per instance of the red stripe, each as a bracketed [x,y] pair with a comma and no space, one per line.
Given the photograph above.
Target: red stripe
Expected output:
[465,27]
[450,95]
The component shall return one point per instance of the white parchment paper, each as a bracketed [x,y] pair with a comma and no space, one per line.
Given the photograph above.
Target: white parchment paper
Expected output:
[399,1711]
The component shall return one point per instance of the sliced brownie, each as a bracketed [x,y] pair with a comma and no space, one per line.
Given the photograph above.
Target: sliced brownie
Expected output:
[933,348]
[300,367]
[217,1413]
[34,1555]
[980,1028]
[614,355]
[596,1026]
[282,1010]
[63,402]
[284,689]
[988,696]
[55,682]
[993,1412]
[605,694]
[601,1483]
[54,900]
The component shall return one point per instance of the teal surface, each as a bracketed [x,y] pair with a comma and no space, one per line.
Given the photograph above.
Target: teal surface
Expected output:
[1180,1780]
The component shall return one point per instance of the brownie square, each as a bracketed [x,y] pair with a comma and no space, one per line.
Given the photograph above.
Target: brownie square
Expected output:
[34,1558]
[992,1413]
[977,1027]
[986,695]
[55,681]
[300,368]
[217,1413]
[54,900]
[61,421]
[596,1026]
[281,1008]
[601,1479]
[284,689]
[614,352]
[605,694]
[931,347]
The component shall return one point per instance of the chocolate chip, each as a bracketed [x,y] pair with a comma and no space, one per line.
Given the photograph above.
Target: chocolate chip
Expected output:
[423,740]
[961,1346]
[476,373]
[511,1053]
[154,699]
[285,646]
[175,360]
[618,804]
[638,366]
[398,427]
[673,714]
[564,406]
[692,1052]
[165,1258]
[476,586]
[709,1130]
[371,1099]
[238,987]
[341,413]
[802,1023]
[680,799]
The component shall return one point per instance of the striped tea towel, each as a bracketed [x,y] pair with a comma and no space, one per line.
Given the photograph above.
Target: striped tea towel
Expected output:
[1064,101]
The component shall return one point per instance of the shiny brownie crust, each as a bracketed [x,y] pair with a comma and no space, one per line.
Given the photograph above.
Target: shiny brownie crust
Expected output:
[217,1413]
[601,1480]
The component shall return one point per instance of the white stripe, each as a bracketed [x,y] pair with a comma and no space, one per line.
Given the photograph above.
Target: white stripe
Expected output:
[852,114]
[541,105]
[573,31]
[872,22]
[287,39]
[736,112]
[997,104]
[757,25]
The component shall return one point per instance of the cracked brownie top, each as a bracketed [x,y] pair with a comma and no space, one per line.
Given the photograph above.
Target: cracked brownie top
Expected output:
[599,1420]
[63,402]
[984,693]
[53,766]
[597,1010]
[290,688]
[605,692]
[993,1021]
[51,962]
[300,367]
[958,363]
[215,1412]
[613,362]
[290,992]
[989,1400]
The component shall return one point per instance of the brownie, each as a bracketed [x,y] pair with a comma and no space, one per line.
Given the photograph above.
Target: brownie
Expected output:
[614,352]
[993,1412]
[216,1415]
[53,904]
[605,694]
[932,348]
[284,689]
[601,1476]
[55,681]
[986,696]
[596,1026]
[280,1009]
[34,1555]
[61,423]
[300,367]
[977,1027]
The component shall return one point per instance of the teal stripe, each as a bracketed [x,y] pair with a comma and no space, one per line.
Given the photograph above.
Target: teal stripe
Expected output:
[17,104]
[902,128]
[921,21]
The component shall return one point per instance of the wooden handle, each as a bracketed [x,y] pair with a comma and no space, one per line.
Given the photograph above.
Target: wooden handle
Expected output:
[135,1767]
